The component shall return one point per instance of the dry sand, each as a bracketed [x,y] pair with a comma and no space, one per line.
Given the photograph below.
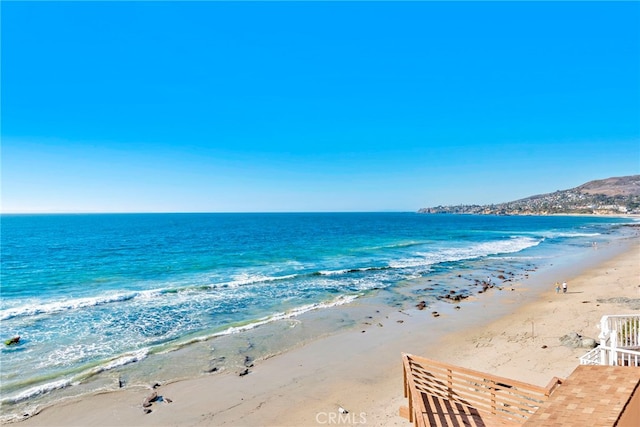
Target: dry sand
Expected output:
[502,332]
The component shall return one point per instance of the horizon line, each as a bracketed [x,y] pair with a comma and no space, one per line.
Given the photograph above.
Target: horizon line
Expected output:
[196,212]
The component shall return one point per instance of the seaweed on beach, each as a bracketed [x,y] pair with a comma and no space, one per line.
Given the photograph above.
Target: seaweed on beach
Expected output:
[632,303]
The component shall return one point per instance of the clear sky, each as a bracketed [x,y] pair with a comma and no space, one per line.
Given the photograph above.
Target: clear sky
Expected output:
[323,106]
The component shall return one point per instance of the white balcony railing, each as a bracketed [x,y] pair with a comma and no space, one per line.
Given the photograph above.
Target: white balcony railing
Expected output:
[611,356]
[619,342]
[592,357]
[620,330]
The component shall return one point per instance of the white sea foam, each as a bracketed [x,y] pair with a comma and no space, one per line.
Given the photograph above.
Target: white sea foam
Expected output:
[348,270]
[125,359]
[65,305]
[65,382]
[515,244]
[555,235]
[289,314]
[333,272]
[341,300]
[38,390]
[78,303]
[244,279]
[396,245]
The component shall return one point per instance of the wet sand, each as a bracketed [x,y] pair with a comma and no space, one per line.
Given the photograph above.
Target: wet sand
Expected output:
[512,333]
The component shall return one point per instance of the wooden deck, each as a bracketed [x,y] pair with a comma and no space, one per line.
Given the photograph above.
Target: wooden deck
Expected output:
[440,394]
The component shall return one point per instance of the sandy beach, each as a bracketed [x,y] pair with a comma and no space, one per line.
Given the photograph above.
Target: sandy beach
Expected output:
[513,332]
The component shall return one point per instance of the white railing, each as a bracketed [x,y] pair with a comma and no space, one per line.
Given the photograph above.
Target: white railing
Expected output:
[619,342]
[628,358]
[611,356]
[592,357]
[620,330]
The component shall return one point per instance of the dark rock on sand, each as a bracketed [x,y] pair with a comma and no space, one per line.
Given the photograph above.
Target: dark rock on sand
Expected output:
[248,361]
[149,399]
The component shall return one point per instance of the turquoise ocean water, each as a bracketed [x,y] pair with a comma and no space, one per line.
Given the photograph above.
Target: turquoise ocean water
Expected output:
[95,297]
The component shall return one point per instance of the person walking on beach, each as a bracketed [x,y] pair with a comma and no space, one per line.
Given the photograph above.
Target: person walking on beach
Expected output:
[564,287]
[557,288]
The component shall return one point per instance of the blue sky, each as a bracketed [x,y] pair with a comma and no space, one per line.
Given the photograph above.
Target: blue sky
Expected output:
[312,106]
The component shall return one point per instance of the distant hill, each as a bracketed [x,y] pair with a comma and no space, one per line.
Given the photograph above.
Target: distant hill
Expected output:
[611,196]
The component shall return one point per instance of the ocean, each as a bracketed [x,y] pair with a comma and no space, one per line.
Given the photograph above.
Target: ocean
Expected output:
[103,301]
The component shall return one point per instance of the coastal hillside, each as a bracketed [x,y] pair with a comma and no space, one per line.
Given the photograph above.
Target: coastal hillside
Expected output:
[611,196]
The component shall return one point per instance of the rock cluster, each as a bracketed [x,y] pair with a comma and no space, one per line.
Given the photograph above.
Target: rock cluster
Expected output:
[152,398]
[575,340]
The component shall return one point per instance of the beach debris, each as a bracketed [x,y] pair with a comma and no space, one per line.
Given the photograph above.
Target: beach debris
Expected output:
[155,385]
[435,314]
[211,370]
[631,303]
[457,307]
[364,332]
[544,346]
[12,341]
[421,305]
[342,410]
[248,361]
[400,321]
[121,382]
[380,324]
[150,399]
[244,372]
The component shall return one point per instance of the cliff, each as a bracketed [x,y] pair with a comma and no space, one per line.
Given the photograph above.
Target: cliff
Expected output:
[611,196]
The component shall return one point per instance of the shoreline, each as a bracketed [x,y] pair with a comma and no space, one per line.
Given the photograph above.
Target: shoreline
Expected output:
[361,371]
